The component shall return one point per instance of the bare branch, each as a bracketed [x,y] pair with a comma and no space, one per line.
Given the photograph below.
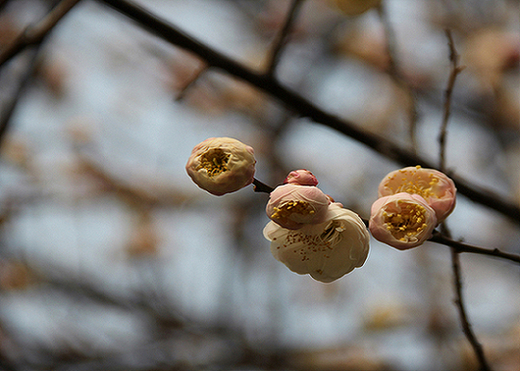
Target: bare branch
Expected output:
[262,187]
[455,258]
[33,35]
[282,36]
[193,80]
[459,301]
[36,34]
[3,4]
[8,111]
[397,76]
[461,247]
[303,107]
[455,70]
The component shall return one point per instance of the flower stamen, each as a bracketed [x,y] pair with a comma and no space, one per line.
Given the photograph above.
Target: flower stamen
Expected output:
[407,224]
[332,234]
[292,207]
[215,161]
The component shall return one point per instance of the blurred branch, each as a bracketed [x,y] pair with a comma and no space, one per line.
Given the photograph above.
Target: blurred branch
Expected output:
[3,3]
[396,75]
[36,34]
[282,37]
[303,107]
[137,301]
[191,82]
[33,35]
[145,194]
[166,324]
[6,114]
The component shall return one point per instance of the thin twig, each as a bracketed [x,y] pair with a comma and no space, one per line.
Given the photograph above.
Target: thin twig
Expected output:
[455,70]
[397,76]
[281,38]
[36,34]
[455,252]
[261,187]
[459,301]
[461,247]
[302,106]
[33,35]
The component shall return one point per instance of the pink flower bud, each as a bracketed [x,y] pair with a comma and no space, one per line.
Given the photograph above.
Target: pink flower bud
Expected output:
[301,177]
[221,165]
[402,220]
[292,206]
[325,251]
[435,187]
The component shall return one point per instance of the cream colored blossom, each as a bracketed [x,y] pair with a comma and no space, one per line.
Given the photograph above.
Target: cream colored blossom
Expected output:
[292,206]
[354,7]
[301,177]
[435,187]
[402,220]
[221,165]
[325,251]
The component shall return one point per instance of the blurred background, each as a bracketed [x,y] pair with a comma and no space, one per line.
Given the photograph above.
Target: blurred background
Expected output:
[112,259]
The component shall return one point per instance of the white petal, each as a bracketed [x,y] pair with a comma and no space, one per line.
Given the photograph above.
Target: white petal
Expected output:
[326,251]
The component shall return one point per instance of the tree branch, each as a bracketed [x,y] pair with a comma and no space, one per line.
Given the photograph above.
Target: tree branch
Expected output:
[455,70]
[282,36]
[461,247]
[455,258]
[3,4]
[303,107]
[396,74]
[36,34]
[459,301]
[261,187]
[8,111]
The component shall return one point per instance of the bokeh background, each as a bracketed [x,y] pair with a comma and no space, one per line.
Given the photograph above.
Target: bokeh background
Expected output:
[112,259]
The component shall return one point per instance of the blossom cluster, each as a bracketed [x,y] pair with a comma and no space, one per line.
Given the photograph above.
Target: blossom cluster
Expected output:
[412,202]
[311,233]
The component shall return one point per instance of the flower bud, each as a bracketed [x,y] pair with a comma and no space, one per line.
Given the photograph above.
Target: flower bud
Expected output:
[402,220]
[435,187]
[292,206]
[301,177]
[354,7]
[221,165]
[326,251]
